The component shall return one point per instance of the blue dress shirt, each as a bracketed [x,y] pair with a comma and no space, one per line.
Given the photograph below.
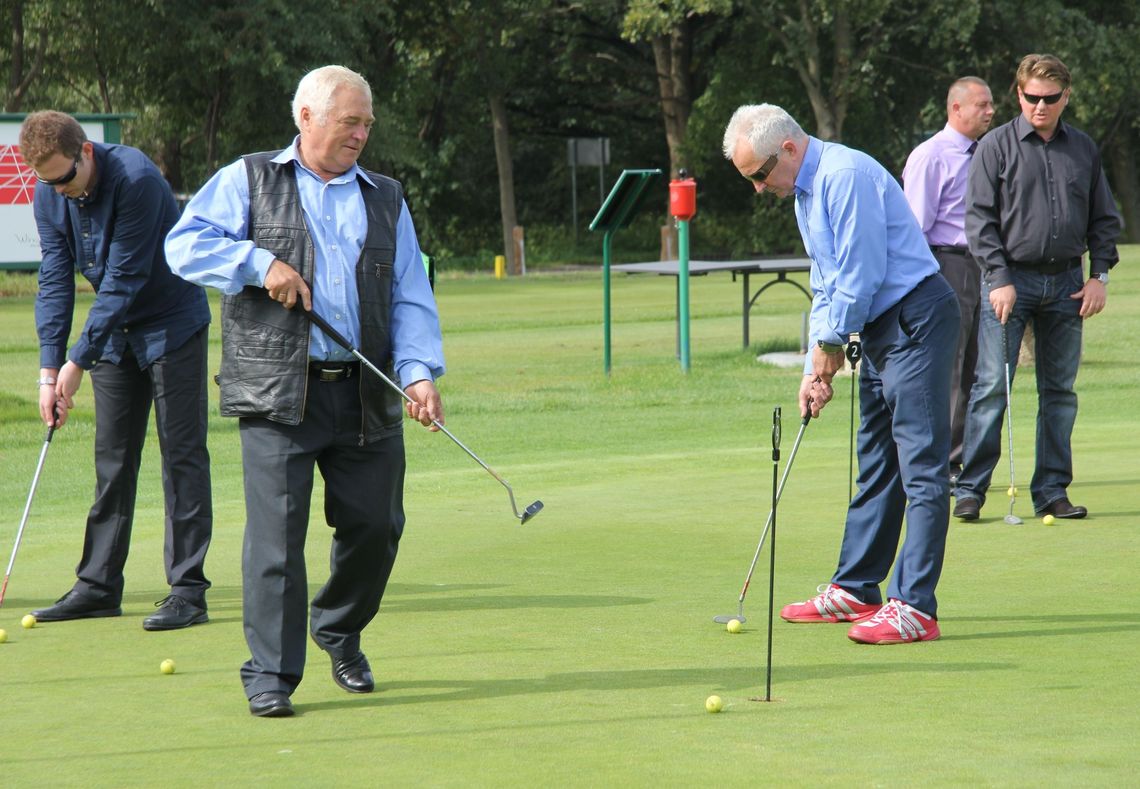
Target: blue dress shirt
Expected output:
[113,236]
[866,247]
[209,246]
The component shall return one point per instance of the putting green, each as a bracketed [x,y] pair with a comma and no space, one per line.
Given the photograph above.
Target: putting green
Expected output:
[579,649]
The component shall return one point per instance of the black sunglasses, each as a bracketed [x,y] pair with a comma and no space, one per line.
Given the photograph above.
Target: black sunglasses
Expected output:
[761,175]
[66,178]
[1052,98]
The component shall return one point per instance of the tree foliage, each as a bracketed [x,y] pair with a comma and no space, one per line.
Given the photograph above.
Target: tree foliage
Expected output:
[476,99]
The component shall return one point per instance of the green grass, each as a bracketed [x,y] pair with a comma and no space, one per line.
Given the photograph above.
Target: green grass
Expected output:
[578,650]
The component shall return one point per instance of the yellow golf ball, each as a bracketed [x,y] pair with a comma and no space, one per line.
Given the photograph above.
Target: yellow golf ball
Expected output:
[714,704]
[733,626]
[1011,492]
[1048,520]
[3,635]
[28,621]
[167,666]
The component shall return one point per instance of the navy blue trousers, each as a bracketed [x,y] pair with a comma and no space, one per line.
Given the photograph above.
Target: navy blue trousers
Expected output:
[903,450]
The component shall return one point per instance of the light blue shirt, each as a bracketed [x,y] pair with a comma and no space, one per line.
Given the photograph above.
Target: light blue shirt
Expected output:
[866,247]
[209,246]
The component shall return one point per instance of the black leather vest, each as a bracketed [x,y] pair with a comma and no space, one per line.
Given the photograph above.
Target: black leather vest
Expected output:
[265,348]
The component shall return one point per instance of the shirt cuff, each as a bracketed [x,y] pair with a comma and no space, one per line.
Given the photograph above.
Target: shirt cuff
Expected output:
[410,372]
[260,260]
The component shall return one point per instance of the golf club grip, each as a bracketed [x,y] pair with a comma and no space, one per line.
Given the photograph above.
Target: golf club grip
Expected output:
[324,326]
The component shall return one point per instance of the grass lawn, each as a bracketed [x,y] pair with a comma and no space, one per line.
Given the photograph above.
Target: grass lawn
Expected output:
[578,650]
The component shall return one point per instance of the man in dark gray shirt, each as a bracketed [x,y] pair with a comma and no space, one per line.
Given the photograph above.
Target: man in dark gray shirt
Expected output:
[1037,199]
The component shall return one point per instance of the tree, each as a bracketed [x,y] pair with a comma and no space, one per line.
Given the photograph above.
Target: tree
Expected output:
[671,27]
[25,59]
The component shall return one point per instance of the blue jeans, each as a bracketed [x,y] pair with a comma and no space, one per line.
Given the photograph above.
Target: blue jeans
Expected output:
[903,446]
[1057,325]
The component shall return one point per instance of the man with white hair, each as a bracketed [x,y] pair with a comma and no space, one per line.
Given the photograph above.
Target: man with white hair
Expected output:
[873,274]
[308,226]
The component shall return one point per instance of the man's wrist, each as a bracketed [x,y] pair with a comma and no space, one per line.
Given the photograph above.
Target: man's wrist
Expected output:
[830,347]
[46,381]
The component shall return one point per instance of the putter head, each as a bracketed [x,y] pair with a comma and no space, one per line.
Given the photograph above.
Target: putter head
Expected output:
[724,619]
[1013,520]
[530,512]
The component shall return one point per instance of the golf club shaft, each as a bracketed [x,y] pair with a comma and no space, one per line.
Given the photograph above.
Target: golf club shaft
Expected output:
[344,343]
[1008,410]
[772,514]
[27,510]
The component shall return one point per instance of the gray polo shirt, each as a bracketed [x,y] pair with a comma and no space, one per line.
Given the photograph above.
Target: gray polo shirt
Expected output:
[1039,205]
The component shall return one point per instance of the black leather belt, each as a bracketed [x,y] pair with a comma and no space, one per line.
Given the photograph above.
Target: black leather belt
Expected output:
[333,371]
[1048,266]
[951,250]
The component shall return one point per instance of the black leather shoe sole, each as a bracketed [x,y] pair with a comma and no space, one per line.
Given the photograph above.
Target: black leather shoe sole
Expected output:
[174,622]
[66,615]
[271,704]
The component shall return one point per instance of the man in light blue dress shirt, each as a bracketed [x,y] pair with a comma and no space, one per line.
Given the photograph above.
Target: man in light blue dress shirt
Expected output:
[872,274]
[281,233]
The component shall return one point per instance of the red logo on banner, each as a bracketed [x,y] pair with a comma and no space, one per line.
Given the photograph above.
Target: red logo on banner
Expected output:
[17,181]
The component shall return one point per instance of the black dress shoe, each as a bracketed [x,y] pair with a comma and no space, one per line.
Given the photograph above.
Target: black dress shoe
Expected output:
[271,704]
[175,612]
[73,605]
[967,509]
[353,673]
[1063,508]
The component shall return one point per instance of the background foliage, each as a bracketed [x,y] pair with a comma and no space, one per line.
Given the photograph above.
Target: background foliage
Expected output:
[210,80]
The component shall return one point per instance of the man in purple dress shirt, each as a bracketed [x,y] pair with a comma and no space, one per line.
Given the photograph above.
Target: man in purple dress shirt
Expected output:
[934,181]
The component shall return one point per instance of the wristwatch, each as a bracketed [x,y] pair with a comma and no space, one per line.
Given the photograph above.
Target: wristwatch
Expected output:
[1103,277]
[830,347]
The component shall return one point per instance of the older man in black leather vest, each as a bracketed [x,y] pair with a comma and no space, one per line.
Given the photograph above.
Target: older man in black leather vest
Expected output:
[261,230]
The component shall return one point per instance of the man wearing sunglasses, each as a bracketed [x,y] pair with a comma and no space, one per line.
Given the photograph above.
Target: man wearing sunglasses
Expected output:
[104,210]
[873,273]
[1037,199]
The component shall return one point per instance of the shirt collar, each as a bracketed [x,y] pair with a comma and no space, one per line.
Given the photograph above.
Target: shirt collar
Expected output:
[293,154]
[809,165]
[1024,129]
[957,138]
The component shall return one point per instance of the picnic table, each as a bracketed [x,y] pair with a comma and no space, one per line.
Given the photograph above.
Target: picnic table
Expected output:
[776,268]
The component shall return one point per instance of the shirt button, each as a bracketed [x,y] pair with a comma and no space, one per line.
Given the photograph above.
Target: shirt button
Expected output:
[333,246]
[338,316]
[336,281]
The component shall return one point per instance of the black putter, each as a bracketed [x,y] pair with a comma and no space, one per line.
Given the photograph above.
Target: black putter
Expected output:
[532,510]
[725,618]
[854,355]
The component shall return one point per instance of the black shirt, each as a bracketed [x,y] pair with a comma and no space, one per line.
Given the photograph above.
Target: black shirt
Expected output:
[1037,204]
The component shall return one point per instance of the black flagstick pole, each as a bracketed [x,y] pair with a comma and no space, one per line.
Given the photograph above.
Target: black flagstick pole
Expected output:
[772,545]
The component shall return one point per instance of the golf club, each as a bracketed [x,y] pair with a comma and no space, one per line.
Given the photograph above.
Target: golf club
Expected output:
[725,618]
[1010,518]
[772,547]
[528,513]
[27,509]
[854,355]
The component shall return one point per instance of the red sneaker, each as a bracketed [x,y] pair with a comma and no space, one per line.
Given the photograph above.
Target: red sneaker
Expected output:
[895,623]
[832,604]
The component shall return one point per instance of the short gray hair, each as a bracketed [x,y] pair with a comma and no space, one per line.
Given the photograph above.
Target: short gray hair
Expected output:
[317,89]
[765,126]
